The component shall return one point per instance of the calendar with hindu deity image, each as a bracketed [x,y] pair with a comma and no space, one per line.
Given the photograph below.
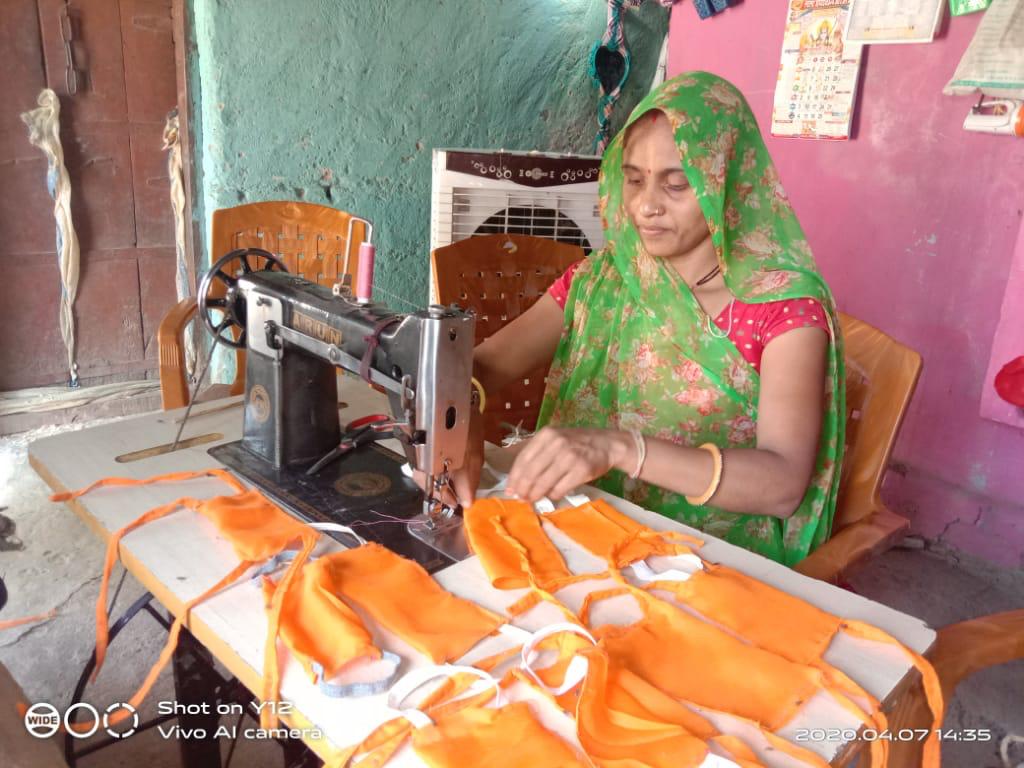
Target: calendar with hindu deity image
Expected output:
[817,83]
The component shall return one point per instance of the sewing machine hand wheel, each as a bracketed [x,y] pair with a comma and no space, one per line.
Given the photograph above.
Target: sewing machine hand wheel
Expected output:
[219,290]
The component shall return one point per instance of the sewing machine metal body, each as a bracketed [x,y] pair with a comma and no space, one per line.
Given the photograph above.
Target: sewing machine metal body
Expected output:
[297,334]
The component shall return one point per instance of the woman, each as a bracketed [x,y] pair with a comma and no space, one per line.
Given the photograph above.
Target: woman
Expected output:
[696,367]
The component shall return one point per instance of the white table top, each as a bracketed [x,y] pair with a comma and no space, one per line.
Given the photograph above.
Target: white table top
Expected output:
[180,556]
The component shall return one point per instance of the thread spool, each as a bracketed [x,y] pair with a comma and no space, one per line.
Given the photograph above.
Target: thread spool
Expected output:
[364,282]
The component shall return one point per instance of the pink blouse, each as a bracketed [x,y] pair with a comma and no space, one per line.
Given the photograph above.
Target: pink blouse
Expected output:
[750,326]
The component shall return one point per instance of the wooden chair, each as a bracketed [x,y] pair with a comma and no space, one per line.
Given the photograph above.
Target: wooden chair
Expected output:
[310,238]
[881,375]
[499,277]
[960,650]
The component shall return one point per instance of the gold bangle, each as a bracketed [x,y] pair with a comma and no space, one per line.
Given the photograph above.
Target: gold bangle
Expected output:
[480,391]
[716,476]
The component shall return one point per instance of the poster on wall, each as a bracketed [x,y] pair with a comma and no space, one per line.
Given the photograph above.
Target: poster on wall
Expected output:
[818,71]
[994,61]
[894,21]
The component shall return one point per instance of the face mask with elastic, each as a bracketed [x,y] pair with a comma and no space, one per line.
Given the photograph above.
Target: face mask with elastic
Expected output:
[741,604]
[318,621]
[790,652]
[463,722]
[257,530]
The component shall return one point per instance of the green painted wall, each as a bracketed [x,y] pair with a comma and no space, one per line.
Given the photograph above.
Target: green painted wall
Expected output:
[340,102]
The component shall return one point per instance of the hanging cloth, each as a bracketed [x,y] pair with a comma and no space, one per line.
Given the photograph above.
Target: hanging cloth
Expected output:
[182,280]
[44,132]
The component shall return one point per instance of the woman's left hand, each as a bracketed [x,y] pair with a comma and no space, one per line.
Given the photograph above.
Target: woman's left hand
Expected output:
[557,460]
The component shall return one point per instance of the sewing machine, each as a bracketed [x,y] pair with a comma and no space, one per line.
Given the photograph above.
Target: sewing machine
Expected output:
[296,335]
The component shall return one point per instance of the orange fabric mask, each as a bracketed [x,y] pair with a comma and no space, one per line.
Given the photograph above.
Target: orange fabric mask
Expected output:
[318,623]
[743,605]
[257,530]
[508,737]
[513,547]
[622,721]
[619,540]
[451,732]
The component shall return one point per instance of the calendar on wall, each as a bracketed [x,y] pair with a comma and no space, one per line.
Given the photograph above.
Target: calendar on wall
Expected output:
[894,21]
[817,83]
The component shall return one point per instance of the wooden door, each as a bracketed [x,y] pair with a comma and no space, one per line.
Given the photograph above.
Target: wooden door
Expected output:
[113,109]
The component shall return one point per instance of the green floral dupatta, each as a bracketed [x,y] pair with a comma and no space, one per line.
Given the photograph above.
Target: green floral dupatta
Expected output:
[636,350]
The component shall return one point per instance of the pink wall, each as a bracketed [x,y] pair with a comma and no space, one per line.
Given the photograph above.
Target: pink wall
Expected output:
[913,224]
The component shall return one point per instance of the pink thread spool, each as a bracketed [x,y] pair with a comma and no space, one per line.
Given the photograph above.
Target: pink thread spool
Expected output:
[364,282]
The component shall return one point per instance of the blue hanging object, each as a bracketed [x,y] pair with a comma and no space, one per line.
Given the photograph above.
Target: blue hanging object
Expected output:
[708,8]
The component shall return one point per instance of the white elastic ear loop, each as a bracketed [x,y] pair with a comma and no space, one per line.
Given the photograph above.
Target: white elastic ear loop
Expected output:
[577,669]
[417,678]
[711,760]
[543,506]
[645,574]
[338,528]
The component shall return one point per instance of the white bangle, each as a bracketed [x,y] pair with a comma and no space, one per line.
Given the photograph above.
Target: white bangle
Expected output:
[641,452]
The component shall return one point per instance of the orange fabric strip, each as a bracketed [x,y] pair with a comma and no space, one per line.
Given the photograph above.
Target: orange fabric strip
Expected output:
[931,757]
[12,623]
[271,666]
[172,477]
[168,650]
[102,626]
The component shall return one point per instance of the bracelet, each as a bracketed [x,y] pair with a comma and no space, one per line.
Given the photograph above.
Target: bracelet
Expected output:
[480,392]
[641,452]
[716,476]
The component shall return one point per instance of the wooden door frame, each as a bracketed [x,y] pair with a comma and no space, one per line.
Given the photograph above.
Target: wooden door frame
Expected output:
[181,16]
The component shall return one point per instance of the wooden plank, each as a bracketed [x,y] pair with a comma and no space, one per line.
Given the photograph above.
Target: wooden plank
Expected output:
[96,48]
[151,187]
[179,556]
[156,293]
[149,68]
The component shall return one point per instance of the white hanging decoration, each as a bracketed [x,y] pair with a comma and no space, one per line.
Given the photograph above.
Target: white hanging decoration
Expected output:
[183,286]
[44,132]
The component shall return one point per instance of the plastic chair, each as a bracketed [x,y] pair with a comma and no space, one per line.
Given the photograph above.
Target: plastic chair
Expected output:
[499,277]
[881,375]
[310,238]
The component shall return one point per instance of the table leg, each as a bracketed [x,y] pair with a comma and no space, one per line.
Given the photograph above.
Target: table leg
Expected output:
[195,683]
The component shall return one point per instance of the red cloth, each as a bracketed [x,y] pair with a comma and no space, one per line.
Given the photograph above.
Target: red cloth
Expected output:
[1010,382]
[753,325]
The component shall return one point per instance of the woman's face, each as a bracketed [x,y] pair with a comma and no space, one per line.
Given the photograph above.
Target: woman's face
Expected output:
[658,198]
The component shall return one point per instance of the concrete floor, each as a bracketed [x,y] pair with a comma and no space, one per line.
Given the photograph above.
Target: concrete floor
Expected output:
[60,562]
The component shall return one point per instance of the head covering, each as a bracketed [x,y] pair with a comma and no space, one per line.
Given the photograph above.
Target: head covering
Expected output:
[637,351]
